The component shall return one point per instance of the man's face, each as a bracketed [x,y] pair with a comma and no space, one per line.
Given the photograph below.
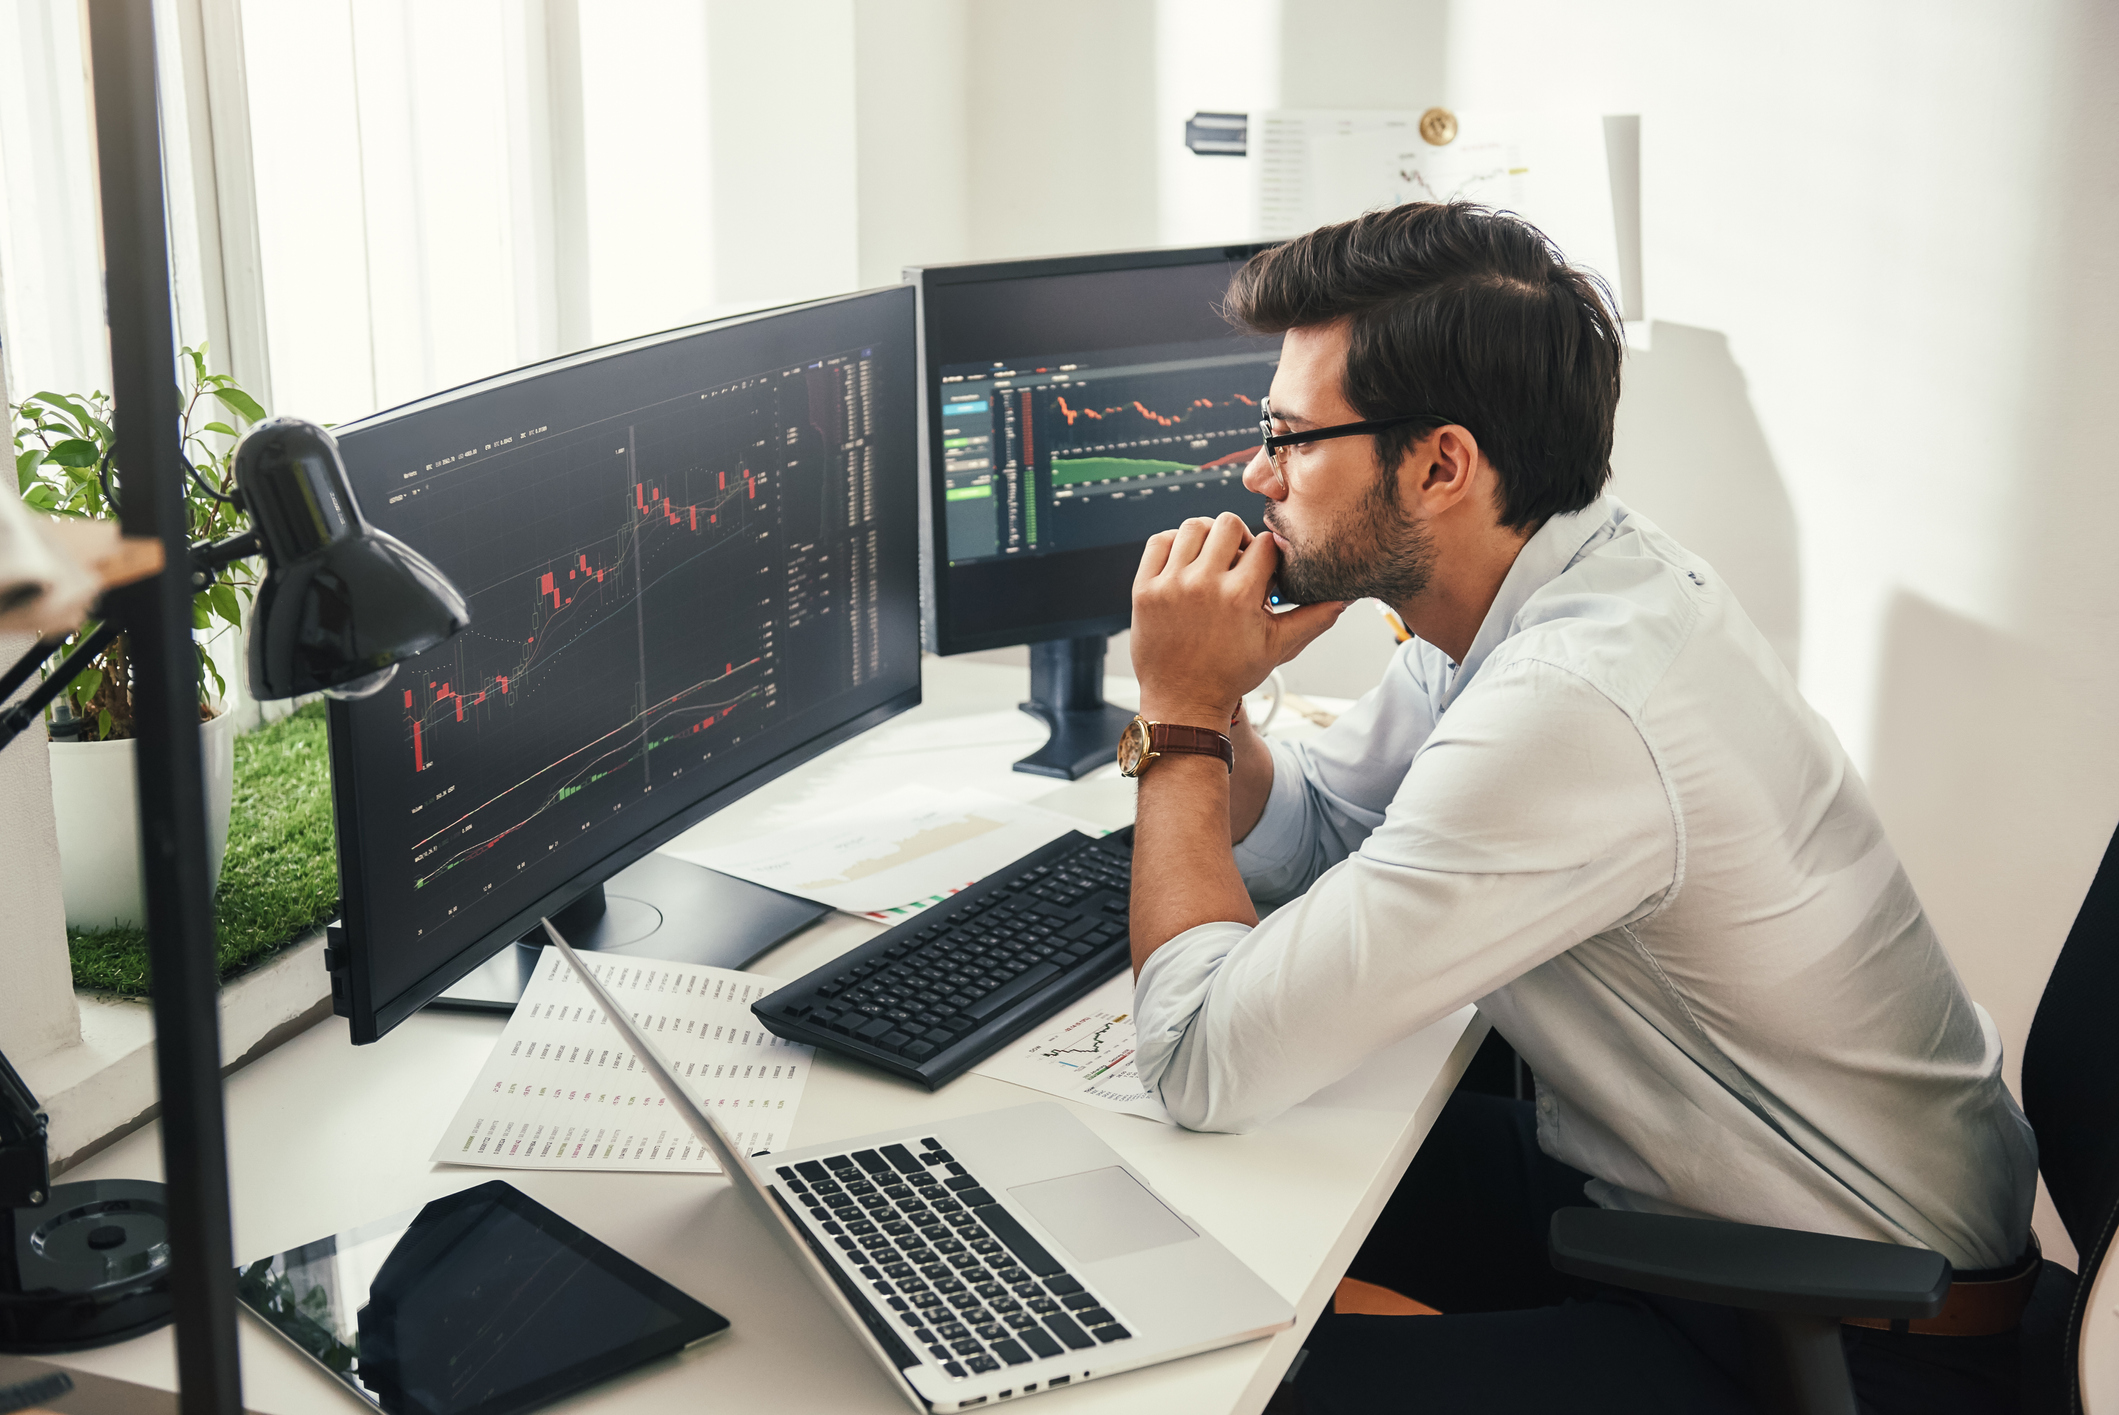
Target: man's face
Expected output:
[1342,530]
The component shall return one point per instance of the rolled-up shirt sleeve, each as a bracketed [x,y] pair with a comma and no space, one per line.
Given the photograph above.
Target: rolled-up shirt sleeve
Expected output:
[1530,818]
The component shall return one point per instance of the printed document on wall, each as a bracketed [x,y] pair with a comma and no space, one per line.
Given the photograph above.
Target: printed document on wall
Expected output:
[562,1090]
[1311,167]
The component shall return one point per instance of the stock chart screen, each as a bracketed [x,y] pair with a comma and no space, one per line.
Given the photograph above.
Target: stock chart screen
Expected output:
[680,561]
[1060,452]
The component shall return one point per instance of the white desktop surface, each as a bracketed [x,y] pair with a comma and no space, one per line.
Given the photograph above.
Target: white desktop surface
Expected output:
[323,1135]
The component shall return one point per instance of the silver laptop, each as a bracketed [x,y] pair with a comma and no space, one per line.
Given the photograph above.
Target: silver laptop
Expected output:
[987,1257]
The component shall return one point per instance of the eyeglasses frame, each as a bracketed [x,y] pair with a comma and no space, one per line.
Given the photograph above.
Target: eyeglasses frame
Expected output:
[1275,441]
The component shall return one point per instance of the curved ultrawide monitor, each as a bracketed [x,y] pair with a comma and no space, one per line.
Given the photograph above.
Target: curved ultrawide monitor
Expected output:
[692,564]
[1074,407]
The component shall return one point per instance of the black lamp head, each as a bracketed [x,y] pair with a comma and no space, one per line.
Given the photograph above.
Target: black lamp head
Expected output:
[341,603]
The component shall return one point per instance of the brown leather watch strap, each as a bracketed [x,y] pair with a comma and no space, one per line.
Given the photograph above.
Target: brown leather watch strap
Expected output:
[1174,739]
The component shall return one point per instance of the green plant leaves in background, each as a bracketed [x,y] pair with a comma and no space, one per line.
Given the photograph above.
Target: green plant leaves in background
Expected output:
[245,406]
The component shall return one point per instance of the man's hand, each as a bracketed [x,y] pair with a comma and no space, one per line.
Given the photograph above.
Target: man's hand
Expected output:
[1202,635]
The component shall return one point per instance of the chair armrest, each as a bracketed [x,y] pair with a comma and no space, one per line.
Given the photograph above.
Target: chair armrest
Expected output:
[1744,1265]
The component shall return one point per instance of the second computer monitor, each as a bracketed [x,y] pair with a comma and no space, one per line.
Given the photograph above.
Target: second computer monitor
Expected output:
[1073,408]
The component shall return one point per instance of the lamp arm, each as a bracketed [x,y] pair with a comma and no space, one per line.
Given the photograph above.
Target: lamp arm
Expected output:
[210,558]
[16,719]
[25,1164]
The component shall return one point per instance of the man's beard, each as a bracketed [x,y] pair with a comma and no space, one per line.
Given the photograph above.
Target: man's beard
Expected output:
[1374,552]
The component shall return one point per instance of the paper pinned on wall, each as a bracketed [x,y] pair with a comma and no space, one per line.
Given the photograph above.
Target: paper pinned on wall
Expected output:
[1315,166]
[895,855]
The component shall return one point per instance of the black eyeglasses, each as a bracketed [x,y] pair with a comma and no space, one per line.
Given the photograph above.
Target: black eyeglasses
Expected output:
[1276,442]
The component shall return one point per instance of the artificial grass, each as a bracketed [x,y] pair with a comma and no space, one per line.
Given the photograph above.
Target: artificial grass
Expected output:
[279,879]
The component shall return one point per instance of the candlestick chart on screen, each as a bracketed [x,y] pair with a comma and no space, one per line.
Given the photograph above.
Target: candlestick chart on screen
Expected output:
[647,593]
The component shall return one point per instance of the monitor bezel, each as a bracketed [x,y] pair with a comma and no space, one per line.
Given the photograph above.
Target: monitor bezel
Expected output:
[940,632]
[370,1018]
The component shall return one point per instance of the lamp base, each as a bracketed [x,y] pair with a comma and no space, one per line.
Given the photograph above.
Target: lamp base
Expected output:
[87,1267]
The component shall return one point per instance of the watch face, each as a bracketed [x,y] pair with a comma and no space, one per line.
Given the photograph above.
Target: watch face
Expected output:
[1132,747]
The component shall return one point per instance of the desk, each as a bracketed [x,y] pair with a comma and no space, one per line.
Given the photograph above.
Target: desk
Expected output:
[324,1135]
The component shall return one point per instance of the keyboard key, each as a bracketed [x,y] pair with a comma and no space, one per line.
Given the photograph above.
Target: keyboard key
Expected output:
[992,1331]
[1043,1306]
[966,1348]
[1028,1251]
[1062,1286]
[918,1051]
[980,1365]
[1023,1321]
[1008,994]
[1026,1290]
[1011,1352]
[913,1319]
[960,1182]
[973,1197]
[938,1351]
[1077,1301]
[1038,1342]
[1096,1317]
[1064,1328]
[990,1290]
[873,1162]
[895,1041]
[1114,1332]
[813,1172]
[953,1369]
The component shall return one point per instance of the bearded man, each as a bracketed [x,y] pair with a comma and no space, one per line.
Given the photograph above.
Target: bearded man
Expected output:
[1586,796]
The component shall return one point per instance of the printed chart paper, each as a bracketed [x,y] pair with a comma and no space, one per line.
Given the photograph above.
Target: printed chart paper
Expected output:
[895,855]
[1085,1054]
[563,1091]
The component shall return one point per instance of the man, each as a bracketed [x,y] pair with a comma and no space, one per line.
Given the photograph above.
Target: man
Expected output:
[1587,797]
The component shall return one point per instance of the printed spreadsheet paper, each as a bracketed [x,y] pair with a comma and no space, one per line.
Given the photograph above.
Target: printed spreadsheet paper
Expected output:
[563,1091]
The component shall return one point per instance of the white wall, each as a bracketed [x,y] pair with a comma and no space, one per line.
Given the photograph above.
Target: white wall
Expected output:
[1878,259]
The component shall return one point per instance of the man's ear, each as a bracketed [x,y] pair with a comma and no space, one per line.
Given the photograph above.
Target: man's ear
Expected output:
[1445,467]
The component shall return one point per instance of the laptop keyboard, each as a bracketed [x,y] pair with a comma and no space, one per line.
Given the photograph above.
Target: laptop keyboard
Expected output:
[967,1280]
[950,986]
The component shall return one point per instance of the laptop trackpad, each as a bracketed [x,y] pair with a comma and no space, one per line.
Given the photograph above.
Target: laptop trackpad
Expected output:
[1104,1213]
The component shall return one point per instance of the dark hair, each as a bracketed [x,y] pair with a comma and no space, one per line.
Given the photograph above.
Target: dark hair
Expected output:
[1471,315]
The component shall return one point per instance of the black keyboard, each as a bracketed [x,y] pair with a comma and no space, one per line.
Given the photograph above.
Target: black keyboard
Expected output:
[957,981]
[968,1281]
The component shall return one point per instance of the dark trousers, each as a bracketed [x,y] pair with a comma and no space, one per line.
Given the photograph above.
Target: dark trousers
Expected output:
[1466,1232]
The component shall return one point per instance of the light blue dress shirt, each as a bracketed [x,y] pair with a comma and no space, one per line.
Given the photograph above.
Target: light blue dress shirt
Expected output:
[1619,829]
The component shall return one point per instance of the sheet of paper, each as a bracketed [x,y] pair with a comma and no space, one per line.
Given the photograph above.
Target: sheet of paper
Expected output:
[894,855]
[1314,166]
[563,1091]
[1085,1054]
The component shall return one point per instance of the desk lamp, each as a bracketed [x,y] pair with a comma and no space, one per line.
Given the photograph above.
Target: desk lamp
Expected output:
[328,597]
[340,605]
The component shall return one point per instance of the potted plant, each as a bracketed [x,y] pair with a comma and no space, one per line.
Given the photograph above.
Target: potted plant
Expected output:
[62,465]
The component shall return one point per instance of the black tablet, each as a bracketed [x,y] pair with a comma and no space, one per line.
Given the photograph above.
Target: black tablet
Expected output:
[483,1303]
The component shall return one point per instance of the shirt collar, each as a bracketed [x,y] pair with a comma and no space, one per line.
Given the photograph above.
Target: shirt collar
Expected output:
[1558,543]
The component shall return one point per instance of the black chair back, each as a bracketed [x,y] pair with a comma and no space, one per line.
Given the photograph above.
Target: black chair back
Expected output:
[2071,1094]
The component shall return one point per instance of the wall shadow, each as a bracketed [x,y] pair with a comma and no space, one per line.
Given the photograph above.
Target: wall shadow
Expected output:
[1691,456]
[1997,782]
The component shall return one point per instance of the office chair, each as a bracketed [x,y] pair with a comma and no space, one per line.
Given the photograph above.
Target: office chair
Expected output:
[1795,1287]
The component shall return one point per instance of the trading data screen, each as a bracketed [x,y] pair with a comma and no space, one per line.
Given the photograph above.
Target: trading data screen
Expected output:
[1071,451]
[682,561]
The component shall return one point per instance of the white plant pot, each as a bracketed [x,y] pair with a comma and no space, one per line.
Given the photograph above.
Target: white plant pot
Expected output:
[96,797]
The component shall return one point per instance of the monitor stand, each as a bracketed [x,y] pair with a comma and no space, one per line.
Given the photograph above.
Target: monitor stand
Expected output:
[660,908]
[1067,695]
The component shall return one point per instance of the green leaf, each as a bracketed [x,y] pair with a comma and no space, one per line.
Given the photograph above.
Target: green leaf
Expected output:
[90,679]
[103,725]
[200,619]
[198,361]
[75,452]
[245,405]
[26,468]
[42,497]
[225,604]
[226,431]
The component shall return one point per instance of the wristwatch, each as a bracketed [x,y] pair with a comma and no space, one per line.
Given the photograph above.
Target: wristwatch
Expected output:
[1143,741]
